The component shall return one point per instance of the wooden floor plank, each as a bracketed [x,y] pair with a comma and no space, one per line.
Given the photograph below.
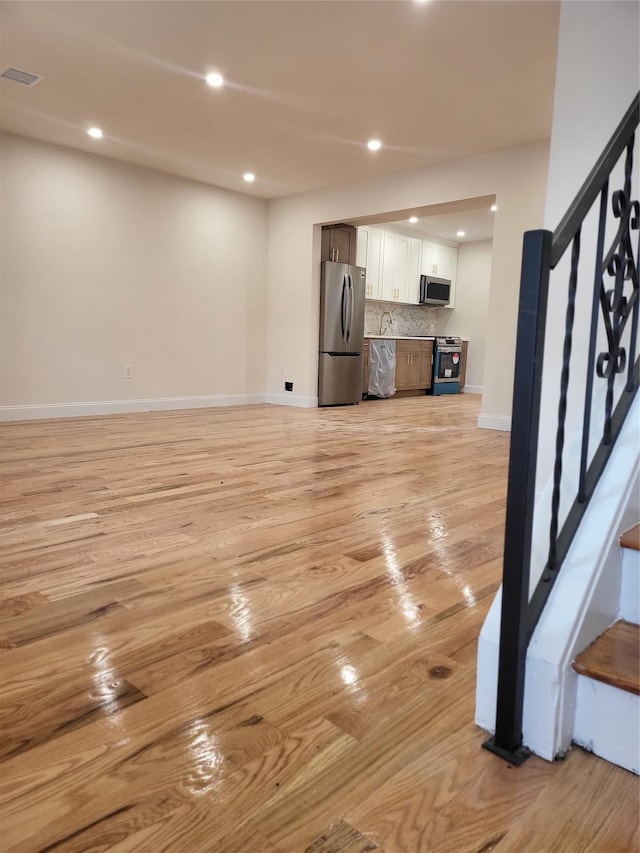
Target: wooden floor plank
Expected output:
[56,617]
[254,629]
[450,800]
[585,808]
[57,707]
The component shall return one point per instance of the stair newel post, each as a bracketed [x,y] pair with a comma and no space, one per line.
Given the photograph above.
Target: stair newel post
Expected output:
[515,622]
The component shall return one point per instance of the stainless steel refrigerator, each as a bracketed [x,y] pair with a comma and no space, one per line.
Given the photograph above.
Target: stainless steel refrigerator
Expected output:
[341,334]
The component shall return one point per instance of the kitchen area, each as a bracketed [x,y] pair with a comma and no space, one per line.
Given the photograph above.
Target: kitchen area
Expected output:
[395,313]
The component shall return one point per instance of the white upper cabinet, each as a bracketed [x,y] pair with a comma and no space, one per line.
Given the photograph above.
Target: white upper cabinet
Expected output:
[441,262]
[362,246]
[395,262]
[374,269]
[400,265]
[388,292]
[369,255]
[414,268]
[444,261]
[426,263]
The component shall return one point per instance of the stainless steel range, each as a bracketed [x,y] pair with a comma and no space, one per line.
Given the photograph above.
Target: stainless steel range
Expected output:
[447,362]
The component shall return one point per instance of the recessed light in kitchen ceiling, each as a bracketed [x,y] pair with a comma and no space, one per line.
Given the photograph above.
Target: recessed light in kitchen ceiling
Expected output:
[215,80]
[249,177]
[493,208]
[95,133]
[374,145]
[413,219]
[459,233]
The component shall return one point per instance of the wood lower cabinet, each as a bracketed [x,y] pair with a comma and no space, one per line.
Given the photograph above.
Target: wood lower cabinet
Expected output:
[408,358]
[426,364]
[414,365]
[339,243]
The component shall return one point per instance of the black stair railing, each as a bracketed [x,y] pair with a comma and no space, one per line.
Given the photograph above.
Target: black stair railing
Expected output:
[615,304]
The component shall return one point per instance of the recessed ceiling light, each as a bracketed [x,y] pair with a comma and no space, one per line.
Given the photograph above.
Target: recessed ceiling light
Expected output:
[95,132]
[214,79]
[249,177]
[413,219]
[459,233]
[374,145]
[493,208]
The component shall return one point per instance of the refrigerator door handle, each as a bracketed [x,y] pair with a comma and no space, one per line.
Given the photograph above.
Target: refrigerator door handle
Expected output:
[353,302]
[351,307]
[347,328]
[344,309]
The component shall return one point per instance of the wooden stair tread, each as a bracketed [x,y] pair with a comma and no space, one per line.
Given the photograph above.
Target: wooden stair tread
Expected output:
[631,538]
[614,657]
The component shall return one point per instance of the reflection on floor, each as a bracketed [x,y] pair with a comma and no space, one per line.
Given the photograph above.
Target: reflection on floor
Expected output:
[254,629]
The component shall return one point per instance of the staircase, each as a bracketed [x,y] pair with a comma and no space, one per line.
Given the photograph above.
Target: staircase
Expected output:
[561,575]
[607,720]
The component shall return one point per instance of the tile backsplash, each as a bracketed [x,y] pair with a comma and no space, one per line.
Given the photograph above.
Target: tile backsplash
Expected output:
[404,320]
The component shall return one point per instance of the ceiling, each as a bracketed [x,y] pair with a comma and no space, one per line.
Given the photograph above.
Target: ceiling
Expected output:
[471,215]
[307,84]
[476,224]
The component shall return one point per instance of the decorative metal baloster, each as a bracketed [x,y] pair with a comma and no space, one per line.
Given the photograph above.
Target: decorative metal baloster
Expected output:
[621,264]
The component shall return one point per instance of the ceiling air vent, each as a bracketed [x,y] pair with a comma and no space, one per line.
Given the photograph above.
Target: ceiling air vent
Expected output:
[25,78]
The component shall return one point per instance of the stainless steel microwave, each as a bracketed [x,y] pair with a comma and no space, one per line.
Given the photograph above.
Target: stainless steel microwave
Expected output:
[434,291]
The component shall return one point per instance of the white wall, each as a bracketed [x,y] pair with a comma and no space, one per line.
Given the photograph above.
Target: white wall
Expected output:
[469,318]
[516,177]
[598,74]
[106,264]
[592,92]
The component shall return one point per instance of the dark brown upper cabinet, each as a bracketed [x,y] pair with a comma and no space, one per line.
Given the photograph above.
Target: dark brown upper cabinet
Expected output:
[339,243]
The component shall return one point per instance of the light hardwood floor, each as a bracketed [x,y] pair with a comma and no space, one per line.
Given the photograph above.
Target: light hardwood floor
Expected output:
[254,630]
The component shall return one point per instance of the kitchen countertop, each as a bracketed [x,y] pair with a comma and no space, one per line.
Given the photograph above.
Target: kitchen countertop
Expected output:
[401,337]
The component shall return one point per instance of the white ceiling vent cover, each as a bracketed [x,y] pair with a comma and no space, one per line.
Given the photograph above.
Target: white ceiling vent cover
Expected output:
[25,78]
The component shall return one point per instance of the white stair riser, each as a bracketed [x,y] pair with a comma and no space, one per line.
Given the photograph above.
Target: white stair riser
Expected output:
[630,586]
[607,722]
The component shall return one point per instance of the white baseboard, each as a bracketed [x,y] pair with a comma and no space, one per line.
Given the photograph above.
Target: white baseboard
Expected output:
[494,422]
[472,389]
[288,399]
[114,407]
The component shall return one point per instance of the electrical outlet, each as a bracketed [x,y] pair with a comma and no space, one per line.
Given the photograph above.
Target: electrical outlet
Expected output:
[128,371]
[288,386]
